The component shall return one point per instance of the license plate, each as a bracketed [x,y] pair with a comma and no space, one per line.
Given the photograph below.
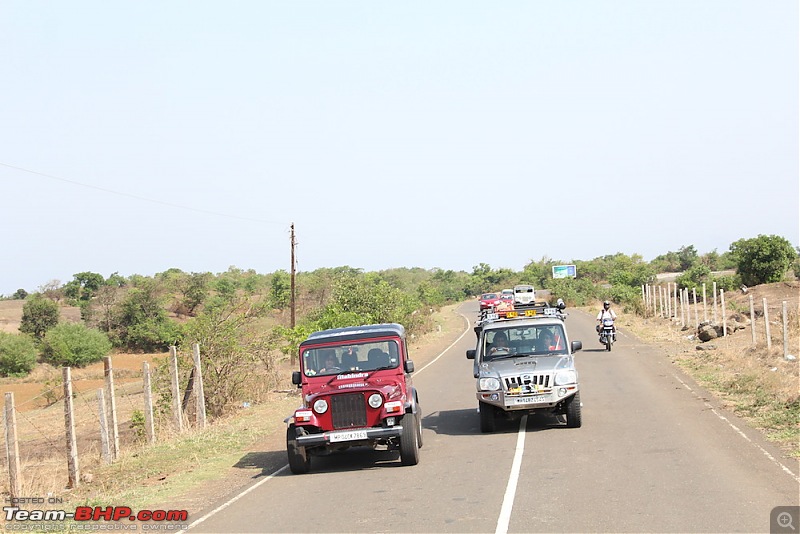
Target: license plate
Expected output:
[350,435]
[530,313]
[531,399]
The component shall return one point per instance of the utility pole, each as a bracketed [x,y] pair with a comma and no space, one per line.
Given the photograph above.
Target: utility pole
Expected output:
[292,303]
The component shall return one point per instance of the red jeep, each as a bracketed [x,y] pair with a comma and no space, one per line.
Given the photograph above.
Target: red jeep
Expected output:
[357,390]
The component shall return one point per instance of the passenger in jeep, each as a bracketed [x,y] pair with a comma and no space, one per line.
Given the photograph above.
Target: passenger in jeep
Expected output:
[330,365]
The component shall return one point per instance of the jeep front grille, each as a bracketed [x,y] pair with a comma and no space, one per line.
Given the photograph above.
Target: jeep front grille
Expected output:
[523,380]
[348,411]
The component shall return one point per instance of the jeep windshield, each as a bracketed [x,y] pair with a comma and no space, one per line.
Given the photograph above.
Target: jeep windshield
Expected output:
[527,340]
[355,356]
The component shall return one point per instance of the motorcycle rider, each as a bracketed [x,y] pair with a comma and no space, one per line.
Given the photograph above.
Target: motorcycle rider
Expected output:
[606,313]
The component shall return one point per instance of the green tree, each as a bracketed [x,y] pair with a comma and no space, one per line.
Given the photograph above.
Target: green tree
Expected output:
[19,294]
[17,354]
[74,345]
[280,290]
[83,286]
[38,316]
[763,259]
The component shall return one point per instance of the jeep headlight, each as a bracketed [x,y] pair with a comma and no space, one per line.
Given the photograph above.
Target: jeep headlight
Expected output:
[320,406]
[489,384]
[566,377]
[375,400]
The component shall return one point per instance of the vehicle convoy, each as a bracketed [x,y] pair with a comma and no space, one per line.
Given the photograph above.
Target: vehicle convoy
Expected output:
[357,391]
[524,365]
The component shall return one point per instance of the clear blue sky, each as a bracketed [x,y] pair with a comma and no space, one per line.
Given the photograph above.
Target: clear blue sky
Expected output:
[393,134]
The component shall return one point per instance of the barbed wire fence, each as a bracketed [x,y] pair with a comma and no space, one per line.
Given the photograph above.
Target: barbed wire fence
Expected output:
[85,423]
[683,307]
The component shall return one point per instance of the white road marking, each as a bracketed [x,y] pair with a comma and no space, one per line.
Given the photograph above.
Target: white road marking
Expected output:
[513,478]
[742,434]
[236,498]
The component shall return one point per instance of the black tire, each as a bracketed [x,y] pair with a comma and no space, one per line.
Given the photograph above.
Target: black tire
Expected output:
[573,411]
[487,417]
[608,343]
[299,459]
[409,444]
[419,427]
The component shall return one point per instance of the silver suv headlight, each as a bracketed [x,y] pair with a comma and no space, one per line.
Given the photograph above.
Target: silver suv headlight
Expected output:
[489,384]
[566,377]
[320,406]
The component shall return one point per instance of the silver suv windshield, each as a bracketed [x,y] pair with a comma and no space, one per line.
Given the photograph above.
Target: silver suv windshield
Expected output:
[528,340]
[367,356]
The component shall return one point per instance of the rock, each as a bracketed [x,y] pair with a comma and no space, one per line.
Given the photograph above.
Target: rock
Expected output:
[709,332]
[743,288]
[706,347]
[790,358]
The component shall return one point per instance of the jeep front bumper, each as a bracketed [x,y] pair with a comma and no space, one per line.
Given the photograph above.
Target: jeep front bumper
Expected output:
[349,437]
[544,400]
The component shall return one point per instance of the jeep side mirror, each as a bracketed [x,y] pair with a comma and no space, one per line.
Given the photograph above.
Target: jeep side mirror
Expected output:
[576,346]
[471,354]
[296,378]
[408,366]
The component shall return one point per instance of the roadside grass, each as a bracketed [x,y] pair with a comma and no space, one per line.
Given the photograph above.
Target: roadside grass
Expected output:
[148,475]
[757,384]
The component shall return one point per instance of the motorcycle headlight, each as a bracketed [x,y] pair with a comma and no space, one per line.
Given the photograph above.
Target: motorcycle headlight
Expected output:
[489,384]
[566,377]
[321,406]
[375,400]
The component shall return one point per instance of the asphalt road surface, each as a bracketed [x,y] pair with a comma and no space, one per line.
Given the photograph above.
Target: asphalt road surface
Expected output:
[654,454]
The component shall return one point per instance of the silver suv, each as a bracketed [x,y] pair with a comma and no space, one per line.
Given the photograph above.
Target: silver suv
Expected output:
[525,365]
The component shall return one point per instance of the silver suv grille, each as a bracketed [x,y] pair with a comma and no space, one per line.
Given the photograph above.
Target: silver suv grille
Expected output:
[348,411]
[526,380]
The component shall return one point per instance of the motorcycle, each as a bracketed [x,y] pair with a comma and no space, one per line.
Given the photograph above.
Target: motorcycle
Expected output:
[607,334]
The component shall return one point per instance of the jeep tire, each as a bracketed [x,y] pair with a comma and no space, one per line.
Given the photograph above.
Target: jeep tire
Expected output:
[409,444]
[487,413]
[299,459]
[573,411]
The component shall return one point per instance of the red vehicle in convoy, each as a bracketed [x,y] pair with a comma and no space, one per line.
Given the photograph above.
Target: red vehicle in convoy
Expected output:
[357,390]
[489,300]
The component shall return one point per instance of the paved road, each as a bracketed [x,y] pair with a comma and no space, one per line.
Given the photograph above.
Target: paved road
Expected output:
[653,455]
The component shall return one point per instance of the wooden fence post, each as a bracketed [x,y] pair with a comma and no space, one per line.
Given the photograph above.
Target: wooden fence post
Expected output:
[104,441]
[149,427]
[108,373]
[200,399]
[177,411]
[705,310]
[69,423]
[785,330]
[752,321]
[696,318]
[766,323]
[12,448]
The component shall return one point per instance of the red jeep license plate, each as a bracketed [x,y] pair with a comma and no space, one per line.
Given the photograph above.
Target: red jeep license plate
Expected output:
[349,435]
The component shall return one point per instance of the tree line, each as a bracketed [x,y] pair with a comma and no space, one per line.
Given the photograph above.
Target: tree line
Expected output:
[241,317]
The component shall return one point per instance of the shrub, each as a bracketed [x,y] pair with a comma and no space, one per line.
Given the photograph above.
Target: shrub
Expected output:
[17,354]
[74,345]
[763,259]
[38,316]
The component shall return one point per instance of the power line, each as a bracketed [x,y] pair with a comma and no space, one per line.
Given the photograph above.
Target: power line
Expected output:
[137,197]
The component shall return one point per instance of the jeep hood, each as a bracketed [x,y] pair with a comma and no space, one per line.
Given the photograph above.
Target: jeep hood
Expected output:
[519,364]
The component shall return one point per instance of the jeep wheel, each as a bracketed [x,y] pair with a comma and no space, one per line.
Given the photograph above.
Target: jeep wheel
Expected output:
[409,444]
[419,426]
[573,411]
[299,460]
[487,417]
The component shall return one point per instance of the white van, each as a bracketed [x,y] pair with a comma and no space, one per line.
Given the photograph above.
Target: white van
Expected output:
[524,294]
